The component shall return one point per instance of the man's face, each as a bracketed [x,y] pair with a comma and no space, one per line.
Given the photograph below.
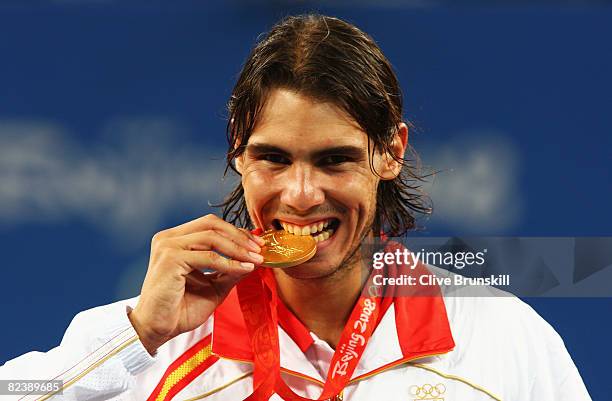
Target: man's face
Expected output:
[306,169]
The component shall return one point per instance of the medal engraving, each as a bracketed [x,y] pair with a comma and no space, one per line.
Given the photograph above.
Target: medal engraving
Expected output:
[283,249]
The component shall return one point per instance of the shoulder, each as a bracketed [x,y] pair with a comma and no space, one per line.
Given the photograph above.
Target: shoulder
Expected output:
[487,306]
[495,316]
[495,326]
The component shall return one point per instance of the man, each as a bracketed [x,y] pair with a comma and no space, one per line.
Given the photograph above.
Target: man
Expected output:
[315,131]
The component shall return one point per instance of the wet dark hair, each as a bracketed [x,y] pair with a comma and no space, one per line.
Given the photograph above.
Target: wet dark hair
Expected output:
[329,60]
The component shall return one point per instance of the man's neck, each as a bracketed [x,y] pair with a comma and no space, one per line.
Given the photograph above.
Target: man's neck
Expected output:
[323,305]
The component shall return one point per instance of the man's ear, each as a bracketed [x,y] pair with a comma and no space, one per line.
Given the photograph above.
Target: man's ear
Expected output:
[391,167]
[238,160]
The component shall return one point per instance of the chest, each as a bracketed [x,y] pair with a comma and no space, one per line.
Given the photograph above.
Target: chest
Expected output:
[409,382]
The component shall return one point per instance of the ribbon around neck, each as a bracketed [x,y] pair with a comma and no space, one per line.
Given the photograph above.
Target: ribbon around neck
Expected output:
[258,300]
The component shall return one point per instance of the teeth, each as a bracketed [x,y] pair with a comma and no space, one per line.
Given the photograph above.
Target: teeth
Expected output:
[312,229]
[324,235]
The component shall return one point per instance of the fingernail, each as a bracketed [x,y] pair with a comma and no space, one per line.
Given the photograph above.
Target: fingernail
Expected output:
[254,246]
[257,257]
[247,265]
[260,240]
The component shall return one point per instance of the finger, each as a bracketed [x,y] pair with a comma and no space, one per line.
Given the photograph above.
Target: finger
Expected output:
[248,241]
[210,240]
[230,231]
[203,223]
[197,260]
[254,235]
[238,235]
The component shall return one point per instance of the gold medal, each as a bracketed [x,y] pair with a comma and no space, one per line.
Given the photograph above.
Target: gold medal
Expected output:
[283,249]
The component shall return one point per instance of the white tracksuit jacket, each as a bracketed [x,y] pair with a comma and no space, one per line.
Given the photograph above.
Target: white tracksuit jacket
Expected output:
[459,349]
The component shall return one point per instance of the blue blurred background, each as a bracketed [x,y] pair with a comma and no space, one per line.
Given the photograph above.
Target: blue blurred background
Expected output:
[112,128]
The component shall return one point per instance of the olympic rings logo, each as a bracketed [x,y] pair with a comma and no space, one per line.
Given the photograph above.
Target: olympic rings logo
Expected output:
[428,392]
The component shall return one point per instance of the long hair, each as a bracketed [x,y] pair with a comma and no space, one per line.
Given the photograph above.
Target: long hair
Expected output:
[329,60]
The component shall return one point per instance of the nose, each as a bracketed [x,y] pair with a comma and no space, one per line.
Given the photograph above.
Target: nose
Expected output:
[301,191]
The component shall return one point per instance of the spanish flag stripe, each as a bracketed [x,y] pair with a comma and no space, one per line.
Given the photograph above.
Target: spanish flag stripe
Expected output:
[198,357]
[191,376]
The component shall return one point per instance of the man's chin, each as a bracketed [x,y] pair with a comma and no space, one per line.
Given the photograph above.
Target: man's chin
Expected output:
[312,270]
[326,264]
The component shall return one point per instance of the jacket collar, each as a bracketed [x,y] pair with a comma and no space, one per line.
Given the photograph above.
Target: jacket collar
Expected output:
[410,327]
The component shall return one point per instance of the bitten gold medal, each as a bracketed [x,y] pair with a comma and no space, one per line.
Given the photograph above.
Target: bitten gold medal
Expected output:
[283,249]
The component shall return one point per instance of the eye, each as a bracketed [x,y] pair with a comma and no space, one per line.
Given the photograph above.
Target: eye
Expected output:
[275,158]
[334,160]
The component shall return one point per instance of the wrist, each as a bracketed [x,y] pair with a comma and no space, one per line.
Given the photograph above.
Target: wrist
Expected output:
[150,342]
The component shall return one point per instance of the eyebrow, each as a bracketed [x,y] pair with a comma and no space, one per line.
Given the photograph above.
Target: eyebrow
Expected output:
[345,150]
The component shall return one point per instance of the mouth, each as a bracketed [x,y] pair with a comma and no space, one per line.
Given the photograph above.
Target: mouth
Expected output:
[320,230]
